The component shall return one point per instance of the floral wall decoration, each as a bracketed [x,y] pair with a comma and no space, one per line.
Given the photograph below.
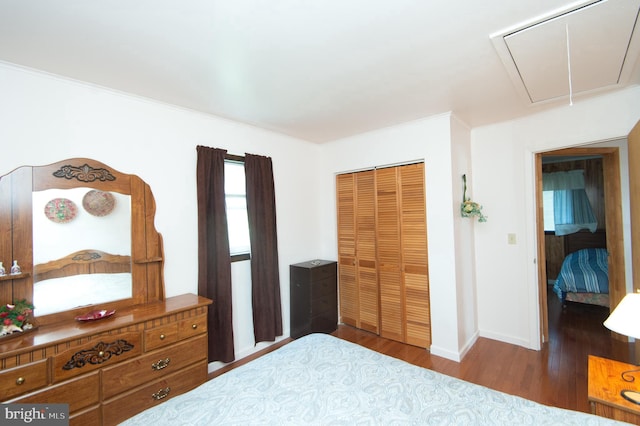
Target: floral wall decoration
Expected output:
[470,208]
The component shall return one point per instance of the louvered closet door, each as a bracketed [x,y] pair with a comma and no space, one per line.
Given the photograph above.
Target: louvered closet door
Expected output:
[392,312]
[414,255]
[348,293]
[382,251]
[366,268]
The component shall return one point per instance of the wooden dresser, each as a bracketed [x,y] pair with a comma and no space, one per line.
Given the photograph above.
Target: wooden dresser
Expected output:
[605,384]
[110,369]
[314,299]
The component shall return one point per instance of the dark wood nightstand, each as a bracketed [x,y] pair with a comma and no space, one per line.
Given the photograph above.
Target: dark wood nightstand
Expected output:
[605,385]
[314,297]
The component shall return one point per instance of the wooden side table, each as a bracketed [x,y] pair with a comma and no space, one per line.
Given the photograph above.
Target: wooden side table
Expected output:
[605,385]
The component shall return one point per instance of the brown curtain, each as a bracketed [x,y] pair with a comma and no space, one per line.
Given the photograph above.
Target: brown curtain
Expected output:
[265,276]
[214,261]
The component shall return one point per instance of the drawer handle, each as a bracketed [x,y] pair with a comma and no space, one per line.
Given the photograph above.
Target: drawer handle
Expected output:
[20,380]
[161,394]
[163,363]
[194,326]
[162,337]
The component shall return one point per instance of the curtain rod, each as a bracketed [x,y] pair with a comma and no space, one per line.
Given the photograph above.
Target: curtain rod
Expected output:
[234,157]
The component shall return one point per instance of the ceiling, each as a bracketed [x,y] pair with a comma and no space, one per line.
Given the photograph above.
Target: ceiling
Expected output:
[325,69]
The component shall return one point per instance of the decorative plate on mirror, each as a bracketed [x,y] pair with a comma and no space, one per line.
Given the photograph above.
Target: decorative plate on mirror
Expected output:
[60,210]
[98,203]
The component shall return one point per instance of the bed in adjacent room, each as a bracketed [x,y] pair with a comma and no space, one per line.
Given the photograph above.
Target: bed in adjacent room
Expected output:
[584,277]
[584,274]
[320,379]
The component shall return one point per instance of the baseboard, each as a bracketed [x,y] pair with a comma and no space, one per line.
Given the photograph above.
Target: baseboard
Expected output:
[506,339]
[452,355]
[246,355]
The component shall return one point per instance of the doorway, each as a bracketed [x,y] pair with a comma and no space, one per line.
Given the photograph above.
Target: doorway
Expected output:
[613,226]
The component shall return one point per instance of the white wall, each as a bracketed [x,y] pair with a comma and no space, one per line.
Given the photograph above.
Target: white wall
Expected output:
[44,119]
[503,181]
[464,238]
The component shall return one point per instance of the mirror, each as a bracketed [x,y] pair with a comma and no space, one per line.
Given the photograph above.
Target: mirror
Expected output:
[81,248]
[72,224]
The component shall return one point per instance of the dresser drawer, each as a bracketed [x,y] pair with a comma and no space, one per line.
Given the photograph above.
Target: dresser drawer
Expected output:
[192,327]
[158,337]
[322,272]
[322,305]
[117,410]
[20,380]
[155,365]
[79,393]
[325,323]
[103,351]
[90,416]
[322,288]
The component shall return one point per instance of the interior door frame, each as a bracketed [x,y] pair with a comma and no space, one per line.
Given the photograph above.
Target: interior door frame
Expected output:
[613,223]
[633,154]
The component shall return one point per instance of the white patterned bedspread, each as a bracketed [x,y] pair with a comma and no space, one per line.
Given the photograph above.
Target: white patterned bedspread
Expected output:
[323,380]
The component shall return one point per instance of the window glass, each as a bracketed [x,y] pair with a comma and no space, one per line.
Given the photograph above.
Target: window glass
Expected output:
[547,205]
[236,201]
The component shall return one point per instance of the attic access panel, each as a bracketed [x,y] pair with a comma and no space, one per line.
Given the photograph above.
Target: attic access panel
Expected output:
[598,37]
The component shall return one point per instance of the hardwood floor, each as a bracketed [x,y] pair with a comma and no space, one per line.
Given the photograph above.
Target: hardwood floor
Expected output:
[555,375]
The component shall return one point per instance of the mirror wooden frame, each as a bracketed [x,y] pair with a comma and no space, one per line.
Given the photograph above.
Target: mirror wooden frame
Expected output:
[16,229]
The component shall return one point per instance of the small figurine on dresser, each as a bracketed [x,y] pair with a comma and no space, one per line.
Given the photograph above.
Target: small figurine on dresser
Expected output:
[15,268]
[3,271]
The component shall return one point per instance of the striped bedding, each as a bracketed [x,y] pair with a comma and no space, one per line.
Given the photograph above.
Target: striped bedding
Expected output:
[584,271]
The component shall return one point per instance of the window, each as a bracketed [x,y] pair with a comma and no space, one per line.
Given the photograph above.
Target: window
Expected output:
[565,203]
[547,206]
[236,202]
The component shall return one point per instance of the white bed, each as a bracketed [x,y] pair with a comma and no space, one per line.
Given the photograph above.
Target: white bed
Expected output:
[321,380]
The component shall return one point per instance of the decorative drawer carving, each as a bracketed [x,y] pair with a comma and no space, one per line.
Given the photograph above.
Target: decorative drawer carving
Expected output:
[155,365]
[20,380]
[192,327]
[160,336]
[118,409]
[104,350]
[79,393]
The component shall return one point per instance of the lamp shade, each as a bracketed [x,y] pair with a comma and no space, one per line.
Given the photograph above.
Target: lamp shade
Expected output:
[625,318]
